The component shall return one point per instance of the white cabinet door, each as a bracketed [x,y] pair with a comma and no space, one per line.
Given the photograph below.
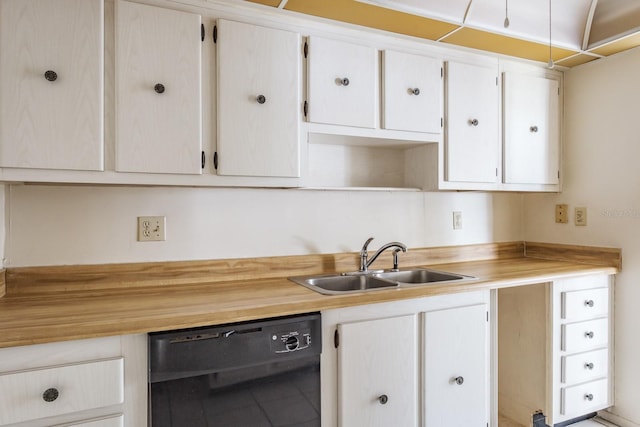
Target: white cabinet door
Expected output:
[158,104]
[378,373]
[531,129]
[472,142]
[412,92]
[342,83]
[258,100]
[456,380]
[51,84]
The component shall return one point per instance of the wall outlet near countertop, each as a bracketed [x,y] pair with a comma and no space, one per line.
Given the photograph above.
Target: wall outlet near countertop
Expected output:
[581,216]
[152,228]
[457,220]
[562,214]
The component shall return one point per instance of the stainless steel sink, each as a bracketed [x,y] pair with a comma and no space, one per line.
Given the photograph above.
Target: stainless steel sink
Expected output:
[335,284]
[421,276]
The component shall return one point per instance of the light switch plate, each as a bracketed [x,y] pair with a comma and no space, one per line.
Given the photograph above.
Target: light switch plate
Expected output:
[562,214]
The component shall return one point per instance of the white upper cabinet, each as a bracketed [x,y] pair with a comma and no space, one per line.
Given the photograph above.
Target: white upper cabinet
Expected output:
[259,103]
[472,116]
[531,129]
[51,84]
[456,367]
[412,92]
[378,373]
[158,90]
[342,83]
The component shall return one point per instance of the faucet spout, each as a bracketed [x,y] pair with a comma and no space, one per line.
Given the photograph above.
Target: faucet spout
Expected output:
[365,262]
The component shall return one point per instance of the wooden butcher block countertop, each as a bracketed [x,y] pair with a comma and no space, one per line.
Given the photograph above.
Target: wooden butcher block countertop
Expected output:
[46,304]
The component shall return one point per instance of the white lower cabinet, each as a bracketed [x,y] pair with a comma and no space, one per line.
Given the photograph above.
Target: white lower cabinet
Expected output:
[456,374]
[378,372]
[554,345]
[419,362]
[90,383]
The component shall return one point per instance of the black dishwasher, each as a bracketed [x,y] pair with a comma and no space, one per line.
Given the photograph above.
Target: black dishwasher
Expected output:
[251,374]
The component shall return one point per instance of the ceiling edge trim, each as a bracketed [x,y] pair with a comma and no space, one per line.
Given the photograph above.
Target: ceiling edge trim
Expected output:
[587,28]
[617,38]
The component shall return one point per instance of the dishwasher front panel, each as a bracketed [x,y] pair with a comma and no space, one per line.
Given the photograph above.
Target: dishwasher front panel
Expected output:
[252,374]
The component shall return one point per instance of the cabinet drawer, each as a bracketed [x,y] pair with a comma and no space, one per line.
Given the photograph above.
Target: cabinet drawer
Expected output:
[582,367]
[582,336]
[117,421]
[584,304]
[584,398]
[33,394]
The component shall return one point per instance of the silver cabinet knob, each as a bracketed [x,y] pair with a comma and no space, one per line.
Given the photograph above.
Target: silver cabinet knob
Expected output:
[533,129]
[344,81]
[589,334]
[261,99]
[589,303]
[588,397]
[459,380]
[50,394]
[474,122]
[588,366]
[414,91]
[383,399]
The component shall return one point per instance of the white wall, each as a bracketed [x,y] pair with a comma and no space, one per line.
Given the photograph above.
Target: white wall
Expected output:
[602,172]
[49,225]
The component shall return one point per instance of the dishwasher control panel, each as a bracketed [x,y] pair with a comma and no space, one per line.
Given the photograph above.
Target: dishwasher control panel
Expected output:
[288,341]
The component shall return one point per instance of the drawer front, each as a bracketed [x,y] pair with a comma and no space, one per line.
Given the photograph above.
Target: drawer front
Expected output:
[33,394]
[582,367]
[584,398]
[117,421]
[585,304]
[583,336]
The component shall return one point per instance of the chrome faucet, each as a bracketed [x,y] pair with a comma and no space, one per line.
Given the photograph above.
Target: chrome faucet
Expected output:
[365,262]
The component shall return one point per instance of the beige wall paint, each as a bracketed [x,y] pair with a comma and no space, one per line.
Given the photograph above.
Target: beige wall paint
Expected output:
[51,225]
[602,172]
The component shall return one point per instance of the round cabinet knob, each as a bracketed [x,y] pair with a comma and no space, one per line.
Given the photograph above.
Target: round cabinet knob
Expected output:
[588,366]
[589,303]
[589,334]
[342,81]
[261,99]
[474,122]
[50,394]
[533,129]
[51,75]
[415,91]
[383,399]
[459,380]
[588,397]
[159,88]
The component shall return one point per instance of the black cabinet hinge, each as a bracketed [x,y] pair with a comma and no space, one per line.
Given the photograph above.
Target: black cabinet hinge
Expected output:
[201,32]
[306,49]
[441,122]
[487,316]
[336,339]
[215,34]
[496,81]
[305,108]
[496,171]
[442,72]
[202,159]
[215,160]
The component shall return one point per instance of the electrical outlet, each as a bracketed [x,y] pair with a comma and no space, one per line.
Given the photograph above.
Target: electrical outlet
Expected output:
[457,220]
[151,228]
[581,216]
[562,214]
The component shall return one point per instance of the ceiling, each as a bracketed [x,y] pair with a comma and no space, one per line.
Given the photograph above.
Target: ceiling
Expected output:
[581,30]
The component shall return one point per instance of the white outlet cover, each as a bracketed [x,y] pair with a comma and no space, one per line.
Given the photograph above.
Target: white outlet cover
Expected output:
[152,228]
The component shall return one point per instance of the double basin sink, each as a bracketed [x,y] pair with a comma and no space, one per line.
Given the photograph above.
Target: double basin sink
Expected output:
[337,284]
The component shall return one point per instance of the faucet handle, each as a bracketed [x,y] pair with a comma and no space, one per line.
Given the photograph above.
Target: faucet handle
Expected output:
[363,251]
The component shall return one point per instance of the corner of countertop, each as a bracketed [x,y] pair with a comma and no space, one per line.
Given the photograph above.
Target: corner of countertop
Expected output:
[594,255]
